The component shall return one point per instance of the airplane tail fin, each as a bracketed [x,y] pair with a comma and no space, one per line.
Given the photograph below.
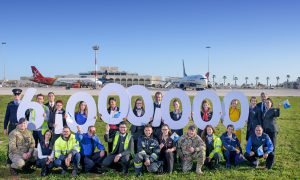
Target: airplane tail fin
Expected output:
[36,73]
[184,74]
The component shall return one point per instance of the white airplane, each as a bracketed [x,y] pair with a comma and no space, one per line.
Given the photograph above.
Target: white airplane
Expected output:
[197,82]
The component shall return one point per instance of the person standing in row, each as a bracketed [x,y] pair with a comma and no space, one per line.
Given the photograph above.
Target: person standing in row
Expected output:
[254,117]
[51,103]
[137,131]
[269,120]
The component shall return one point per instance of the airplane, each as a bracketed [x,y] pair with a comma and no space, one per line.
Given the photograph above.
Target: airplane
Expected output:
[39,78]
[198,82]
[104,78]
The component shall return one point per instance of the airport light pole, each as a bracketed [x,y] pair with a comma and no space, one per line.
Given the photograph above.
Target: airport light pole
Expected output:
[208,47]
[96,48]
[4,77]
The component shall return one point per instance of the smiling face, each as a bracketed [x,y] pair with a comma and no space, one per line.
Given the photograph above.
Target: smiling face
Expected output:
[122,129]
[51,97]
[253,102]
[22,126]
[82,106]
[165,130]
[209,130]
[40,99]
[59,106]
[268,103]
[47,136]
[191,132]
[234,103]
[17,97]
[66,132]
[205,106]
[230,130]
[139,104]
[258,131]
[148,131]
[158,98]
[176,105]
[112,103]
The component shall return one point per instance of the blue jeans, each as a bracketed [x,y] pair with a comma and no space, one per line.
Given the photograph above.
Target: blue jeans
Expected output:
[60,162]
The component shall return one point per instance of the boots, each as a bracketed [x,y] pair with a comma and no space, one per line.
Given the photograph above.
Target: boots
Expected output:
[138,172]
[198,168]
[44,171]
[13,172]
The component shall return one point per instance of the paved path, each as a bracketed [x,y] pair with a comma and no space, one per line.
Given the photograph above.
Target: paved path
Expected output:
[220,92]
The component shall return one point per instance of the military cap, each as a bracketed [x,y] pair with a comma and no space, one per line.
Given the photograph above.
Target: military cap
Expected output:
[17,91]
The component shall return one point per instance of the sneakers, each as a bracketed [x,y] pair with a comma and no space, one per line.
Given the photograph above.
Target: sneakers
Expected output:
[63,172]
[139,174]
[74,173]
[13,172]
[255,164]
[228,166]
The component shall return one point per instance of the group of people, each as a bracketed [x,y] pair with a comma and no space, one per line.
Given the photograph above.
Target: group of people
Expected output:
[148,148]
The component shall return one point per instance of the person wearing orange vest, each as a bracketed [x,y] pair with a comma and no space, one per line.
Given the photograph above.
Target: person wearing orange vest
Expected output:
[122,149]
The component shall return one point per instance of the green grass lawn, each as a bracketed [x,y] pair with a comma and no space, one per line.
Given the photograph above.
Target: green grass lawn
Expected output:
[287,160]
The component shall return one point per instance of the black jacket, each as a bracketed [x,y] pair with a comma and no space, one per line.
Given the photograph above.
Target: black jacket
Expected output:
[269,120]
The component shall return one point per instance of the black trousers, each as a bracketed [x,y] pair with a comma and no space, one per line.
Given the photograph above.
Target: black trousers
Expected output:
[93,161]
[124,161]
[273,137]
[214,162]
[168,159]
[269,160]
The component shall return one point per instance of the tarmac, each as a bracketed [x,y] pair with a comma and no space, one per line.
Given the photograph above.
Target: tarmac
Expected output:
[220,92]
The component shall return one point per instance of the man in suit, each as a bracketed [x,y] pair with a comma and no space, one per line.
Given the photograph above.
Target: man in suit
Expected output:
[157,104]
[261,105]
[51,102]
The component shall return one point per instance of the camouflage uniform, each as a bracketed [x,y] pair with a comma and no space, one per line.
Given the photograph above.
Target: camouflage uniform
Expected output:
[148,148]
[186,142]
[20,143]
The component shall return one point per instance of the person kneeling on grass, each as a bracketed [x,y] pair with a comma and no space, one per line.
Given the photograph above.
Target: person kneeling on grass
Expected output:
[122,148]
[45,153]
[260,145]
[191,147]
[21,148]
[213,148]
[232,150]
[67,151]
[148,153]
[92,161]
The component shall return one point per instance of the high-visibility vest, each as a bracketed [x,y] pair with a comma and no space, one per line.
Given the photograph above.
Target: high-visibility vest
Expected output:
[62,147]
[116,139]
[45,123]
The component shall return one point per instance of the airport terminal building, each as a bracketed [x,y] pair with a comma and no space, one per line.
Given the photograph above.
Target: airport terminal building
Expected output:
[113,74]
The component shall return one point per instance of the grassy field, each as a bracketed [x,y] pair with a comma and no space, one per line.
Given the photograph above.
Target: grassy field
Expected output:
[287,163]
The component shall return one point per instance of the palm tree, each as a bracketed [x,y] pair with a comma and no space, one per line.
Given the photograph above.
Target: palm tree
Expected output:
[213,77]
[246,78]
[256,79]
[224,77]
[268,78]
[235,79]
[277,78]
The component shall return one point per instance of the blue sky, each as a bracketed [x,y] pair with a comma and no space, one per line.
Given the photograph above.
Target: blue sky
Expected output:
[151,37]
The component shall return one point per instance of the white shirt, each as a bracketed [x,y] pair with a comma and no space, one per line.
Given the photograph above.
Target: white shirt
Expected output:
[40,153]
